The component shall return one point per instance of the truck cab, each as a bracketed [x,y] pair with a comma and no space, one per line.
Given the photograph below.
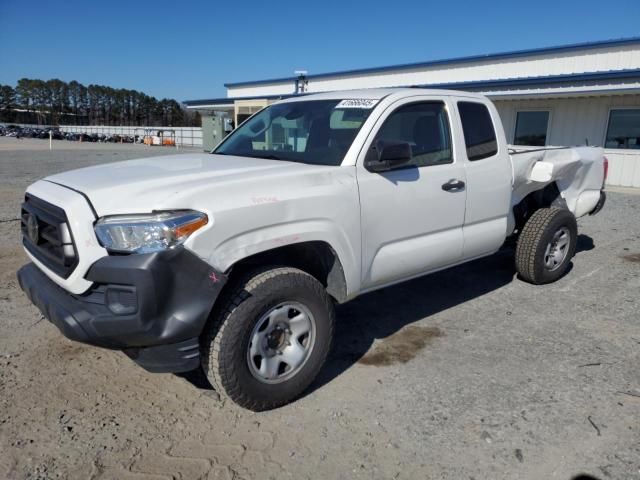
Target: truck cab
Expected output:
[446,204]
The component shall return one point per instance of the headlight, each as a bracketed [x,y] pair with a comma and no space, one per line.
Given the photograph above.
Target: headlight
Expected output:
[148,233]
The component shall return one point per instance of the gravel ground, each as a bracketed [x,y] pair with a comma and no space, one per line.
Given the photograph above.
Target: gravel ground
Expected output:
[465,374]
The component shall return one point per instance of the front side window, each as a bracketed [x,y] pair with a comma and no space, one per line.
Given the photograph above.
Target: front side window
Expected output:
[624,129]
[531,128]
[425,126]
[316,132]
[479,134]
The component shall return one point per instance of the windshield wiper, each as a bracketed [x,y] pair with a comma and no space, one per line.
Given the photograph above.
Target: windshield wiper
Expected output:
[266,157]
[251,155]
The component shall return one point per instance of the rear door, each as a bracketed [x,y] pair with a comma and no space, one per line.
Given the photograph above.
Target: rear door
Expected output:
[488,174]
[411,219]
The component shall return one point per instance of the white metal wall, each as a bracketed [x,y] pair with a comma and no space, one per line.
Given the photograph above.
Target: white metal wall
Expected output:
[555,63]
[185,136]
[578,121]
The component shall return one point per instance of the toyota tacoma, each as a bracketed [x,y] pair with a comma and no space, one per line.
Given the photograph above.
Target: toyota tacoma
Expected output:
[232,261]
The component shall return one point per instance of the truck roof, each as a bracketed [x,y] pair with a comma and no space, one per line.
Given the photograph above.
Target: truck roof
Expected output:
[379,93]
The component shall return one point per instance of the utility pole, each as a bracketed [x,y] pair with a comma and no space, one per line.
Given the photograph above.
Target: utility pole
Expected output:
[302,83]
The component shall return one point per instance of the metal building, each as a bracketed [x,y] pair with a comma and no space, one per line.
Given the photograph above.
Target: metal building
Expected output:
[579,94]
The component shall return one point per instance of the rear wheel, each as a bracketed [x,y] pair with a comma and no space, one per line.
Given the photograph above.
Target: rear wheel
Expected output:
[270,340]
[546,245]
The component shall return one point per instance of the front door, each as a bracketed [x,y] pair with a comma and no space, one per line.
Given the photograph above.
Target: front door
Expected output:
[412,218]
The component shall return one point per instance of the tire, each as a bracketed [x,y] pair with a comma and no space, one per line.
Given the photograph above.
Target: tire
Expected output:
[260,321]
[540,257]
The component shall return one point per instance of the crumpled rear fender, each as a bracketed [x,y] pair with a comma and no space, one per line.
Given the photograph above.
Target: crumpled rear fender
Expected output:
[578,173]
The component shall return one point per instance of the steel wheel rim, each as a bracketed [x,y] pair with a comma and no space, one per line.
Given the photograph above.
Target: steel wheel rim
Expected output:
[557,249]
[281,342]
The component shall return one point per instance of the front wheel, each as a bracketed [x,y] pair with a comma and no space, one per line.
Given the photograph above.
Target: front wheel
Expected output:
[546,245]
[271,338]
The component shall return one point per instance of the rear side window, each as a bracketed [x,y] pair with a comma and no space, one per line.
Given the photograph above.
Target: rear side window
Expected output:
[479,135]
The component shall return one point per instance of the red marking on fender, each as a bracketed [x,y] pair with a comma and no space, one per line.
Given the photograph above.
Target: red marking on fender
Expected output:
[261,200]
[213,277]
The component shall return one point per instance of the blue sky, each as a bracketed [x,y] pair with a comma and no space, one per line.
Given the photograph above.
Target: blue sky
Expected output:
[188,50]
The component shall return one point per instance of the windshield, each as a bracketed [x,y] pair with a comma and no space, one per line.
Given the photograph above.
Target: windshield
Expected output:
[316,131]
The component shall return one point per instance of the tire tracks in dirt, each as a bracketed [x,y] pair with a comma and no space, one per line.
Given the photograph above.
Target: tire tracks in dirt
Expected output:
[246,456]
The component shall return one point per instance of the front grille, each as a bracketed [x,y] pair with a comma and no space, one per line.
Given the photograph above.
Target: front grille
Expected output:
[46,235]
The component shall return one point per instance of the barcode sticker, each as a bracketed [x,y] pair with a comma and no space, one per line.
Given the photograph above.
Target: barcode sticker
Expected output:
[358,103]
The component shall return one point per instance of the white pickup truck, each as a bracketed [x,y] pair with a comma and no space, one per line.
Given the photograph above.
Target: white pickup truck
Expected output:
[232,261]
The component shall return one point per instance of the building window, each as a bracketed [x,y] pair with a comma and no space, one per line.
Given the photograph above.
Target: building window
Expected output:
[479,135]
[531,128]
[624,129]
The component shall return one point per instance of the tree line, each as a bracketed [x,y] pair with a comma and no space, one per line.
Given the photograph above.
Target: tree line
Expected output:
[55,102]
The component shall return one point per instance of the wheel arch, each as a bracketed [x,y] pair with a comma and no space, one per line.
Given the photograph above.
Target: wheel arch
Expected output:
[549,196]
[317,258]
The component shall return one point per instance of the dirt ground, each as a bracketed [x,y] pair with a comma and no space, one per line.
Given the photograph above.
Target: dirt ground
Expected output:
[465,374]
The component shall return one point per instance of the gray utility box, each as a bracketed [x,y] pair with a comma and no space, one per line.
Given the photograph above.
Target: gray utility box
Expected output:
[214,129]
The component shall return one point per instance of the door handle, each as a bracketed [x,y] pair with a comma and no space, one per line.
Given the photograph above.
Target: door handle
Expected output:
[453,185]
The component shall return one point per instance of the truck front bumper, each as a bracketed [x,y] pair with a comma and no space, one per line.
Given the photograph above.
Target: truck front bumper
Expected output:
[151,306]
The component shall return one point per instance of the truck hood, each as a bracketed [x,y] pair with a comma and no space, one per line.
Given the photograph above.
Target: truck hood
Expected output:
[154,183]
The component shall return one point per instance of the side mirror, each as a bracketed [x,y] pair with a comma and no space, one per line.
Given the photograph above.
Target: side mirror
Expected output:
[384,156]
[258,126]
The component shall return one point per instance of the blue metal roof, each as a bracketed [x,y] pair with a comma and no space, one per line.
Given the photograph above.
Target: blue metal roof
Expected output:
[471,85]
[473,58]
[231,100]
[542,80]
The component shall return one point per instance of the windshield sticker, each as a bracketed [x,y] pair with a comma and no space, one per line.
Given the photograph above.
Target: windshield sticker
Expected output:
[358,103]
